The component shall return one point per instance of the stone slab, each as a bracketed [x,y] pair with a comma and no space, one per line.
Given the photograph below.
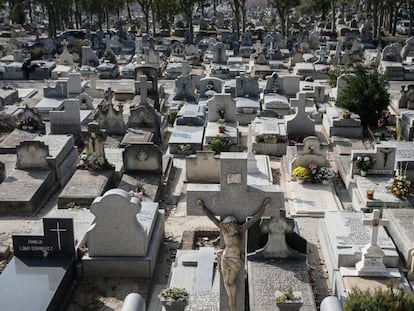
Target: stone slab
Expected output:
[312,200]
[381,196]
[8,145]
[84,187]
[24,192]
[266,277]
[401,230]
[36,284]
[151,183]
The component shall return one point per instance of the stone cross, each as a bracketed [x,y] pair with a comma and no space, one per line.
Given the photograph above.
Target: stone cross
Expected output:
[375,222]
[143,88]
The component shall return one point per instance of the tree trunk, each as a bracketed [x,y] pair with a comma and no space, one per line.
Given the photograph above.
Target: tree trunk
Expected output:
[147,22]
[333,7]
[129,11]
[375,13]
[154,23]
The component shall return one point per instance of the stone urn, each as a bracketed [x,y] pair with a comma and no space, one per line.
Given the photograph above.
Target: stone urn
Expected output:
[289,300]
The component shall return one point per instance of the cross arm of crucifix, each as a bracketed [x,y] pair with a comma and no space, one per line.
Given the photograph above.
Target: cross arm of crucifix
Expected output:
[208,213]
[256,217]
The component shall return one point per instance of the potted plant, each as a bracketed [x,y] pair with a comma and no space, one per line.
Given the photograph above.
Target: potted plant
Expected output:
[371,192]
[221,126]
[219,144]
[325,174]
[346,114]
[364,163]
[270,138]
[301,173]
[289,300]
[174,298]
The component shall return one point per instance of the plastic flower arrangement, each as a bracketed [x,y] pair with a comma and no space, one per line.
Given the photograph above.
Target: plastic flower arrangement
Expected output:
[92,162]
[301,173]
[364,162]
[313,168]
[399,185]
[288,296]
[325,173]
[173,294]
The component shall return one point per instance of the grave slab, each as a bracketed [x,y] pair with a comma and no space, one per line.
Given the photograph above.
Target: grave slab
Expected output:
[266,277]
[84,187]
[312,200]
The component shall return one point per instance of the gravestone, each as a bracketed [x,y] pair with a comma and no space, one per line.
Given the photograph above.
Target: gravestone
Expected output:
[68,120]
[43,268]
[247,99]
[144,116]
[110,119]
[89,57]
[142,157]
[125,237]
[271,136]
[408,48]
[372,261]
[335,124]
[65,58]
[43,164]
[300,124]
[210,86]
[151,72]
[184,86]
[343,237]
[219,53]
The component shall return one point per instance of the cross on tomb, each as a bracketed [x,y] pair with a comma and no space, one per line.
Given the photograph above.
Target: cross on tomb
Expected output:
[250,139]
[375,222]
[58,230]
[251,160]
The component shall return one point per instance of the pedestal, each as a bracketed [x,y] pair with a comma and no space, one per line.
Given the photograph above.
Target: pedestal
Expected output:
[372,262]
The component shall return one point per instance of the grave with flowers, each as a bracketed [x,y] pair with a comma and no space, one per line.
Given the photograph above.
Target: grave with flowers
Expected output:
[94,174]
[385,183]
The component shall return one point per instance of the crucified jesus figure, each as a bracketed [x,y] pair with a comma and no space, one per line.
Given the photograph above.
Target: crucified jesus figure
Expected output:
[231,262]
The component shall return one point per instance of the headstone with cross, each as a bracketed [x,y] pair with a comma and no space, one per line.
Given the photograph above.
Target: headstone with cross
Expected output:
[57,240]
[372,261]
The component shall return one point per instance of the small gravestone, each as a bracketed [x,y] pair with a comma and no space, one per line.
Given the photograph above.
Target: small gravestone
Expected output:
[142,157]
[43,268]
[68,120]
[219,53]
[109,118]
[300,124]
[125,237]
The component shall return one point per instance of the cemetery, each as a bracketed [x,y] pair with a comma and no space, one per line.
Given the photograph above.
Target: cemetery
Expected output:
[214,155]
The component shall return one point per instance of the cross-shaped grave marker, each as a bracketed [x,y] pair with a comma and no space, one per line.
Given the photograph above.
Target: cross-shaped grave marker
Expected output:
[375,222]
[58,230]
[251,160]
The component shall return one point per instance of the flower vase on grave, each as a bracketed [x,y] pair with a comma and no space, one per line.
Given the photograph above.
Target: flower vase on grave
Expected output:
[174,305]
[289,301]
[370,195]
[363,173]
[222,129]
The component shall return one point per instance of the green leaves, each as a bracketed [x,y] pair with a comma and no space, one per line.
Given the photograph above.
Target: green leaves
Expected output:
[365,94]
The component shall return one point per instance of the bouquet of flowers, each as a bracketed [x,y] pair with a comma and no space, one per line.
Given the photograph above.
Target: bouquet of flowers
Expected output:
[399,186]
[325,173]
[92,162]
[364,162]
[301,173]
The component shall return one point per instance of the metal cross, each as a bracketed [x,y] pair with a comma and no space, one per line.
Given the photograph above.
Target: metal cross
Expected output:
[58,230]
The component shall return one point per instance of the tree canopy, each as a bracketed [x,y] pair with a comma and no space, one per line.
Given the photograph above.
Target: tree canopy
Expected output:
[365,94]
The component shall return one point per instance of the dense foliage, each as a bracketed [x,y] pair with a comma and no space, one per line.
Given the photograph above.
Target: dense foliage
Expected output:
[365,94]
[379,300]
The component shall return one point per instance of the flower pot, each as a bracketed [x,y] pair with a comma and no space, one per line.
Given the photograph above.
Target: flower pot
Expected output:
[289,305]
[363,173]
[170,305]
[346,115]
[222,129]
[370,195]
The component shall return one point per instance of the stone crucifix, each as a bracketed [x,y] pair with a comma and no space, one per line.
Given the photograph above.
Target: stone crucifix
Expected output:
[143,88]
[375,222]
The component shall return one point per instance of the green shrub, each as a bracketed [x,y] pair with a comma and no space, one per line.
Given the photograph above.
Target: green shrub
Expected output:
[379,300]
[219,144]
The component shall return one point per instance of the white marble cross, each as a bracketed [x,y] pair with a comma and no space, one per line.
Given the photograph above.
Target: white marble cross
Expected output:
[375,222]
[58,230]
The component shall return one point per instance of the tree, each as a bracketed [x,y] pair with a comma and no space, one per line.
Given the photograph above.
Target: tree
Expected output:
[187,8]
[365,94]
[145,8]
[283,9]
